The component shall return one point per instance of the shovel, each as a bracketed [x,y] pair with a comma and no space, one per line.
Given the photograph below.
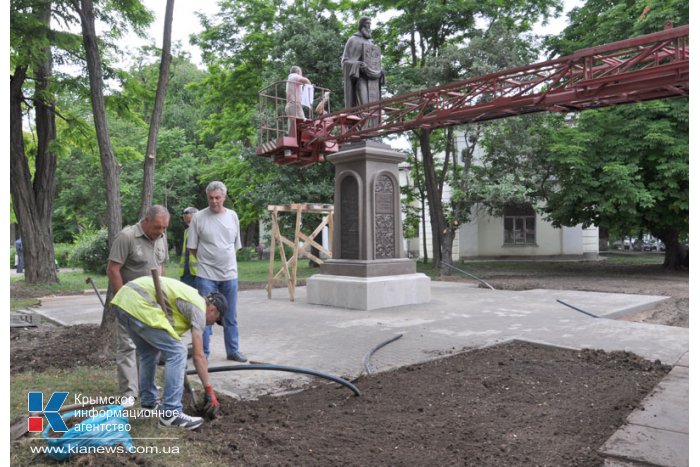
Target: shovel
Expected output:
[94,287]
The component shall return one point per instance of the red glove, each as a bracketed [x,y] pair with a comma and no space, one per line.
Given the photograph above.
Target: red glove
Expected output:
[211,405]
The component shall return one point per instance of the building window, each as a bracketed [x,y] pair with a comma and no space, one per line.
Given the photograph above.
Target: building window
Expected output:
[519,225]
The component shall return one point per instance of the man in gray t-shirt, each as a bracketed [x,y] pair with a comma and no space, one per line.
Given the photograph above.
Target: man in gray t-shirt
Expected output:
[214,236]
[135,251]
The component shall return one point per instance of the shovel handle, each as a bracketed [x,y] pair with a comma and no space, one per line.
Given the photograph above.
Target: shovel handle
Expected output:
[94,287]
[159,290]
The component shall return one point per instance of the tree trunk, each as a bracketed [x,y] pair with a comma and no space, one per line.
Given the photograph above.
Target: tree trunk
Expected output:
[425,233]
[437,217]
[33,202]
[149,163]
[676,254]
[450,227]
[603,239]
[447,242]
[110,169]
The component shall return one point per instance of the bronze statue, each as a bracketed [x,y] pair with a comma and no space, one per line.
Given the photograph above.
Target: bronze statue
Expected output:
[362,67]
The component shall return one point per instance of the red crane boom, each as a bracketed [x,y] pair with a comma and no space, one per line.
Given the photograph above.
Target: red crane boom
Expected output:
[652,66]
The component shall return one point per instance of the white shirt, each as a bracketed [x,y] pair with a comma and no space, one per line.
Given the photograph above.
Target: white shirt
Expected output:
[216,237]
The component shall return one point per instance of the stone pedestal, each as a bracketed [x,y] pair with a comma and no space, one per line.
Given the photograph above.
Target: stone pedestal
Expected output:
[368,270]
[368,293]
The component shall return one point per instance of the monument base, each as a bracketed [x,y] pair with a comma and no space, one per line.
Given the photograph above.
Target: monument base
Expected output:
[368,268]
[368,293]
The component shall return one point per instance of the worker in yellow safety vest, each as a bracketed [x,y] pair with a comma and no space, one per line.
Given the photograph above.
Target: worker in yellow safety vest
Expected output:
[188,261]
[154,330]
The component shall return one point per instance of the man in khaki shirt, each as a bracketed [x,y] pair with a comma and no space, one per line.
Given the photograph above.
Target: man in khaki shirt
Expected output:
[136,250]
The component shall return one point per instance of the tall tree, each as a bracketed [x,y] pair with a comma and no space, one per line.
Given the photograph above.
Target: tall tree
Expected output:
[85,10]
[626,169]
[149,162]
[79,202]
[419,36]
[32,200]
[41,36]
[110,169]
[632,170]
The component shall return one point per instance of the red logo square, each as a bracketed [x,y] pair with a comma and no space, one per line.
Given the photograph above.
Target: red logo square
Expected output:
[36,424]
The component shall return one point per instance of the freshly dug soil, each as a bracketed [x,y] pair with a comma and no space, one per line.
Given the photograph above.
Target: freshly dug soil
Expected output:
[510,405]
[34,349]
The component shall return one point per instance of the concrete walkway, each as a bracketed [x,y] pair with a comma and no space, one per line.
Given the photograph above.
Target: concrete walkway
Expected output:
[337,341]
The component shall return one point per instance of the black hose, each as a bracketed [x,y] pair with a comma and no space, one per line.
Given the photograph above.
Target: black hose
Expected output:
[466,273]
[266,366]
[365,361]
[577,309]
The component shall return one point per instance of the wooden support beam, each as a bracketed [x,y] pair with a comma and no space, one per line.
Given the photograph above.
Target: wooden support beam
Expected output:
[301,244]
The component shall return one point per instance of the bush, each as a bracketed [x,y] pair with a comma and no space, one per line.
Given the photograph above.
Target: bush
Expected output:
[62,251]
[92,251]
[246,253]
[64,255]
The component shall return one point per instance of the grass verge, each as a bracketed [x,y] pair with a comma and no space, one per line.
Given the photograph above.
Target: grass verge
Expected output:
[24,295]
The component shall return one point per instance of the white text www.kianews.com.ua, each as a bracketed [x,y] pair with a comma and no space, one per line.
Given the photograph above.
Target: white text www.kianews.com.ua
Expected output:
[73,450]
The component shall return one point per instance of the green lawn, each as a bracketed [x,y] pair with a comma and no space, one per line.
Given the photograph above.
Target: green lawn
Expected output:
[23,295]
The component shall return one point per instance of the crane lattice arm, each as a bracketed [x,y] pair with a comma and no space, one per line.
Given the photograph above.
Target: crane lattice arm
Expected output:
[648,67]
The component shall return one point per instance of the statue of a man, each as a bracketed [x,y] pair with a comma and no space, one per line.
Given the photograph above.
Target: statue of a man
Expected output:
[362,67]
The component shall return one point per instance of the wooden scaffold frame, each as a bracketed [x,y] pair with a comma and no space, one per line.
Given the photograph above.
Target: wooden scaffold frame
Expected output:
[289,266]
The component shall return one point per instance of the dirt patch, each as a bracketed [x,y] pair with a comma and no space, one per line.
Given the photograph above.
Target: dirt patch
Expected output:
[515,404]
[48,346]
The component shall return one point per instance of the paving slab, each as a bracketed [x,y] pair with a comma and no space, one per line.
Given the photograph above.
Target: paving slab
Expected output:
[646,446]
[69,310]
[667,407]
[657,432]
[602,304]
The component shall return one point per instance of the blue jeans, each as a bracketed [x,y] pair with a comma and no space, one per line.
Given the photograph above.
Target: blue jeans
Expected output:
[189,279]
[230,321]
[149,341]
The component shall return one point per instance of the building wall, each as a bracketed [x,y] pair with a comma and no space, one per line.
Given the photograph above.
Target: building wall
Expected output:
[482,237]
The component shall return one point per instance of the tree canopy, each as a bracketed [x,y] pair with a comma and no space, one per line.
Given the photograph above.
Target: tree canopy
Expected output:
[624,169]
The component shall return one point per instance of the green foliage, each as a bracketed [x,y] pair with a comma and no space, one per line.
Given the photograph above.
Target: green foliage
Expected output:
[64,254]
[635,171]
[502,193]
[410,213]
[246,253]
[92,251]
[80,201]
[624,168]
[599,22]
